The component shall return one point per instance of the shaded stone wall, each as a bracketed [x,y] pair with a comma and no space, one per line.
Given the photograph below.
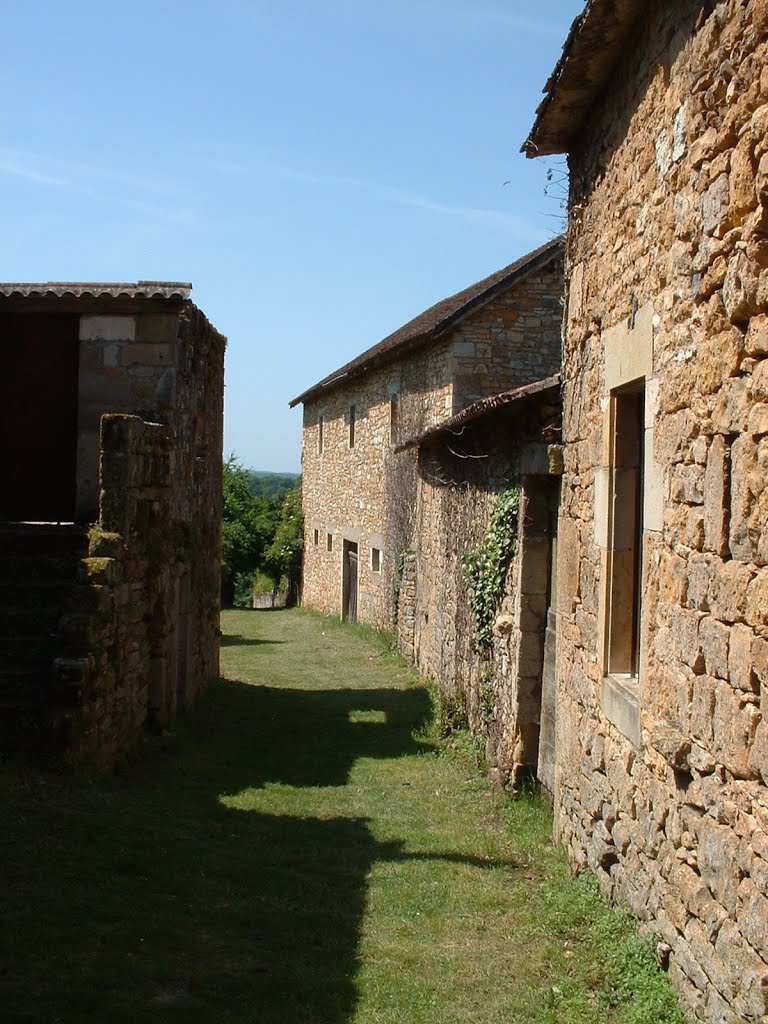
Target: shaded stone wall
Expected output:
[128,363]
[661,777]
[460,479]
[514,340]
[366,494]
[142,625]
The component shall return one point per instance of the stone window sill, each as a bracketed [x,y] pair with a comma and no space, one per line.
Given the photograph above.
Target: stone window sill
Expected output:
[621,704]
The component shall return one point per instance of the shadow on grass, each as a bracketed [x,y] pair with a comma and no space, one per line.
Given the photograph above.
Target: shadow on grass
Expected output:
[145,897]
[235,640]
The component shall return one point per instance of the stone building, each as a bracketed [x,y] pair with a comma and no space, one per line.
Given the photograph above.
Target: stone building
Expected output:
[504,448]
[359,497]
[661,731]
[110,456]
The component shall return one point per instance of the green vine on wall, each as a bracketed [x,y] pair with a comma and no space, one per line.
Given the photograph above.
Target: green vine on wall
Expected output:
[484,567]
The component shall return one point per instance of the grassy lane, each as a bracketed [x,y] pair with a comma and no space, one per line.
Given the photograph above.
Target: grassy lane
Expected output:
[303,849]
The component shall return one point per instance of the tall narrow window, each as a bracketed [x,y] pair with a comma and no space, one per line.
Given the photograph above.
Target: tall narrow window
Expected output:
[320,438]
[375,559]
[352,411]
[394,409]
[626,531]
[316,537]
[329,542]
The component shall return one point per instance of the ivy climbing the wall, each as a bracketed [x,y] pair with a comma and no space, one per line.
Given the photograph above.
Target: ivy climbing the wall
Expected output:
[484,567]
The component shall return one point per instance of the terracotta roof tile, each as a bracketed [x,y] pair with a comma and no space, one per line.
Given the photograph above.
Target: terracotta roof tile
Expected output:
[78,289]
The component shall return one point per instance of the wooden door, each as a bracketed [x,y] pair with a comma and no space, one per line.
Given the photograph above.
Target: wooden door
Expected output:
[38,416]
[349,582]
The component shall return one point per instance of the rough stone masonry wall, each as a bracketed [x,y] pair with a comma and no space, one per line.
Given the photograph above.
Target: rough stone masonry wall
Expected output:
[460,479]
[368,494]
[119,625]
[143,624]
[128,363]
[668,261]
[513,340]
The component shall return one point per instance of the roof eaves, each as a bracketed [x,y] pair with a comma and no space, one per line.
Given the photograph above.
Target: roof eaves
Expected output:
[111,289]
[379,356]
[589,55]
[481,408]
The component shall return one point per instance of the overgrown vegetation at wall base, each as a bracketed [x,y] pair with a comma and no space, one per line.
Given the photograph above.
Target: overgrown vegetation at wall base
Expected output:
[484,566]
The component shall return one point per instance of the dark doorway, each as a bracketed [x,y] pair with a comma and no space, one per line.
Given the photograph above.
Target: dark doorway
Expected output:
[38,416]
[546,761]
[349,582]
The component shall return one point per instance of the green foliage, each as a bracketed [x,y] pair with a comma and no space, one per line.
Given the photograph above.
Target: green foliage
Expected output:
[487,700]
[282,560]
[484,567]
[248,527]
[450,712]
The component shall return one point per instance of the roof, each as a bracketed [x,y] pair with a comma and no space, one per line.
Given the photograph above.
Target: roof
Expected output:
[437,320]
[482,408]
[79,289]
[589,55]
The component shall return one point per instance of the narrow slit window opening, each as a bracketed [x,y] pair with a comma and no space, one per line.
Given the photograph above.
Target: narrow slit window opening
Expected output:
[626,532]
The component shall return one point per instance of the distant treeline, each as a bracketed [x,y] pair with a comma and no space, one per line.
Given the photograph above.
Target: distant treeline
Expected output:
[271,485]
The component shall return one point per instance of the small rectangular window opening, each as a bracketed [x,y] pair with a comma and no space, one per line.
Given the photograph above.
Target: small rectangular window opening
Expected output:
[329,542]
[320,432]
[376,559]
[352,426]
[626,531]
[316,537]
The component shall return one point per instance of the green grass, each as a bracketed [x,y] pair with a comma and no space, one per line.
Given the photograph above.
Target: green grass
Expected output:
[304,849]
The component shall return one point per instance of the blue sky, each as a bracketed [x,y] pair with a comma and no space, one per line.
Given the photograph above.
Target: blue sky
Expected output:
[321,170]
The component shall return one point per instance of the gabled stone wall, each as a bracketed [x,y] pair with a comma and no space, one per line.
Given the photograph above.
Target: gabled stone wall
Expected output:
[366,494]
[662,772]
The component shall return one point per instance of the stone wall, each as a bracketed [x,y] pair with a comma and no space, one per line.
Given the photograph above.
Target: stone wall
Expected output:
[525,321]
[366,494]
[460,479]
[128,363]
[142,625]
[662,770]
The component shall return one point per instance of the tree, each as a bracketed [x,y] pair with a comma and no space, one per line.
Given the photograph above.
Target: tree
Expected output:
[283,557]
[248,528]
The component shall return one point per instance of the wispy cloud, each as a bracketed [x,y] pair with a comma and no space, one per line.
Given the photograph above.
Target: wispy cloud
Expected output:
[490,218]
[18,170]
[97,182]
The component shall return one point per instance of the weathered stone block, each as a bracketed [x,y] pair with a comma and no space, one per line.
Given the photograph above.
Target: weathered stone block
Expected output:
[728,591]
[756,604]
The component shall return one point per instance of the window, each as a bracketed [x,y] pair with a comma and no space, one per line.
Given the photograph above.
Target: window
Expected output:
[329,541]
[394,409]
[352,410]
[376,559]
[320,432]
[625,539]
[316,537]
